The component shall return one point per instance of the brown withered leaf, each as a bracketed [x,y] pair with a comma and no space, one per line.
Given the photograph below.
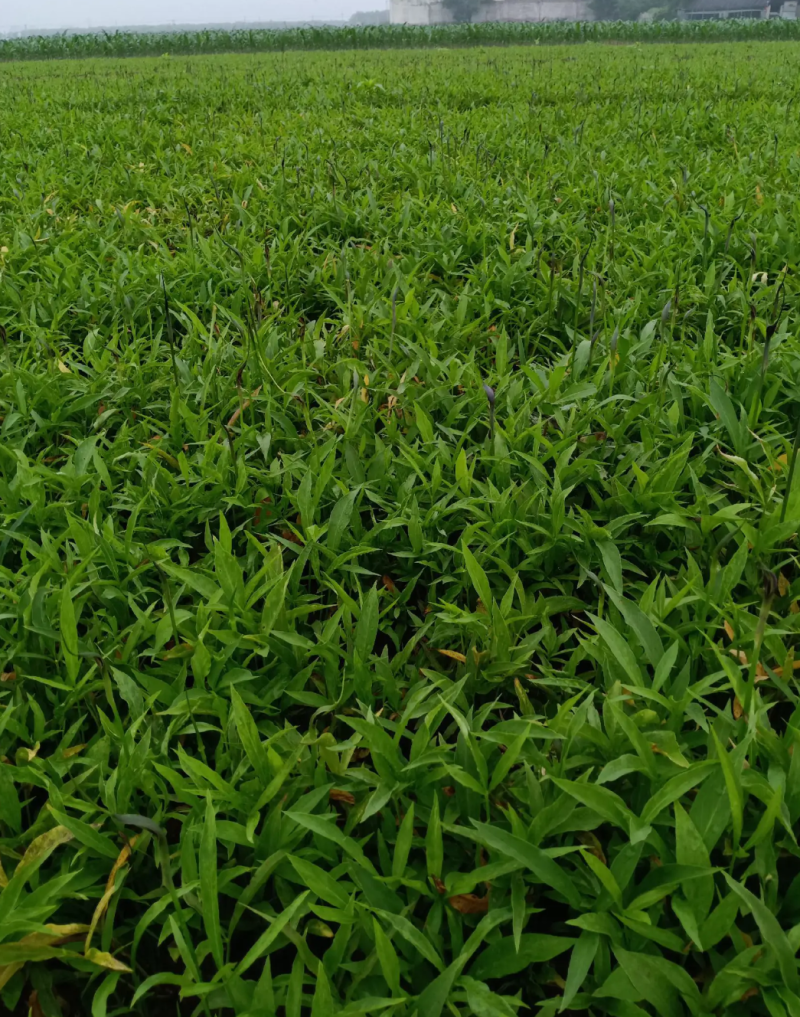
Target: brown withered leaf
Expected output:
[440,887]
[342,796]
[388,583]
[470,903]
[34,1006]
[738,709]
[8,676]
[783,584]
[729,630]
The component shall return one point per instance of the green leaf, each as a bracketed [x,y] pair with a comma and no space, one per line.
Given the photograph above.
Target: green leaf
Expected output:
[519,907]
[733,785]
[403,843]
[433,999]
[424,423]
[367,627]
[583,954]
[69,633]
[320,882]
[546,869]
[501,959]
[675,788]
[322,1003]
[101,996]
[86,834]
[340,520]
[650,983]
[10,811]
[478,577]
[720,922]
[330,831]
[250,738]
[600,799]
[604,874]
[772,934]
[691,850]
[643,628]
[208,883]
[462,472]
[485,1003]
[767,820]
[723,406]
[387,958]
[414,936]
[434,845]
[273,606]
[507,760]
[620,650]
[195,580]
[612,562]
[268,937]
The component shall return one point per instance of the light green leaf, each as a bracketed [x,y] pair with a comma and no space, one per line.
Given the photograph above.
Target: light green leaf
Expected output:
[478,577]
[208,883]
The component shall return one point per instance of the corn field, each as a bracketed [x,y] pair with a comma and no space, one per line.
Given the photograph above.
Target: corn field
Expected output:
[130,44]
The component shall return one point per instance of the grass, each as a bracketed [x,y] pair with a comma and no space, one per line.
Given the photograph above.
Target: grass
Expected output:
[398,556]
[205,41]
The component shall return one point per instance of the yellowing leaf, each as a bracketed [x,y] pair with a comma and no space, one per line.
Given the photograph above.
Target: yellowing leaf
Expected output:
[105,960]
[454,655]
[40,849]
[102,904]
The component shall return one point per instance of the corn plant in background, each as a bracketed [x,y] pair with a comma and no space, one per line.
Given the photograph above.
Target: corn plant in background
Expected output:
[241,40]
[398,557]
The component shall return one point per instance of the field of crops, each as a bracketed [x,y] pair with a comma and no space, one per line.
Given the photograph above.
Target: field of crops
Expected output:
[205,41]
[398,550]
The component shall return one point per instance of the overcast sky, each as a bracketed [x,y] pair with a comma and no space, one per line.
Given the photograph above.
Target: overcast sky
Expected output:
[19,14]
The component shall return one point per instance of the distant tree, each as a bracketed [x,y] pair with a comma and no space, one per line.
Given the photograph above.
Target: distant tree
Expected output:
[463,10]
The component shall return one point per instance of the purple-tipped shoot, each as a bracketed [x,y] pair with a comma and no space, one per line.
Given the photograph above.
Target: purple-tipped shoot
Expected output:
[490,398]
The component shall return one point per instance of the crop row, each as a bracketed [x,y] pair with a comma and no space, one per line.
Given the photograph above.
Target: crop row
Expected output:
[129,44]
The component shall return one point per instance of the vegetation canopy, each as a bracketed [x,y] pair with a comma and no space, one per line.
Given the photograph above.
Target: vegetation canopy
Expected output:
[620,25]
[398,536]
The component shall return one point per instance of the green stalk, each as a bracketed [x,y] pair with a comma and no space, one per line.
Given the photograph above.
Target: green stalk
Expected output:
[792,465]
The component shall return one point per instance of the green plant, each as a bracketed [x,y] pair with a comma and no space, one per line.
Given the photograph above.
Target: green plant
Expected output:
[617,24]
[398,557]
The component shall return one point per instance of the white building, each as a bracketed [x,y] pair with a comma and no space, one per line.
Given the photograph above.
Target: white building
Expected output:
[434,12]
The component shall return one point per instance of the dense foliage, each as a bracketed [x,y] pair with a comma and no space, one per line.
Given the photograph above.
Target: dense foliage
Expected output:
[398,555]
[127,44]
